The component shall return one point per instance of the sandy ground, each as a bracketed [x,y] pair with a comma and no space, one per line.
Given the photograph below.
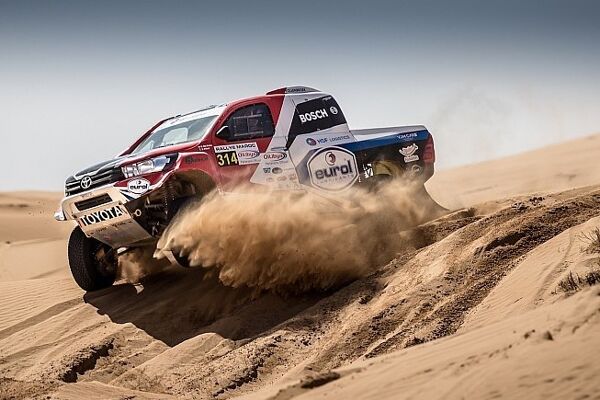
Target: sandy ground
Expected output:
[474,306]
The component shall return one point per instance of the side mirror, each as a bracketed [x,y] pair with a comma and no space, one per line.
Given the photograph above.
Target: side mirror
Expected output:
[224,133]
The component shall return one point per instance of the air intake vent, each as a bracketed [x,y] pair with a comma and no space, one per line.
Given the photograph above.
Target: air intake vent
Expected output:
[93,202]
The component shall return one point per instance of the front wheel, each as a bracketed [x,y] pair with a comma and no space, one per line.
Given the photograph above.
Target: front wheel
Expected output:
[92,263]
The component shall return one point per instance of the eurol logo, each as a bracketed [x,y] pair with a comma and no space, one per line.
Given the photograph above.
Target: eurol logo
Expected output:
[138,185]
[274,156]
[333,169]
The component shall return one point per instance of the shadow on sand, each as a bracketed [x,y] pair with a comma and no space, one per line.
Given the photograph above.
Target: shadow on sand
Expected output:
[177,304]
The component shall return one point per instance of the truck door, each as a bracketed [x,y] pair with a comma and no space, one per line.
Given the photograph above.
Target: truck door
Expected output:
[238,153]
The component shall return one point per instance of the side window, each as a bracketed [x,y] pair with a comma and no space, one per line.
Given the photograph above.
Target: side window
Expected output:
[251,122]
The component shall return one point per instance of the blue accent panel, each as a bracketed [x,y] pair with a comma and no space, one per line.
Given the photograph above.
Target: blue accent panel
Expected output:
[385,141]
[397,138]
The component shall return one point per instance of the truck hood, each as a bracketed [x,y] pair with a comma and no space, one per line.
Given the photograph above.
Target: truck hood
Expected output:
[109,171]
[99,168]
[132,158]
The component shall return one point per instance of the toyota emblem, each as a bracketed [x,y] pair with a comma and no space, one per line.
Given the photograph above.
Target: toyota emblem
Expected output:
[86,182]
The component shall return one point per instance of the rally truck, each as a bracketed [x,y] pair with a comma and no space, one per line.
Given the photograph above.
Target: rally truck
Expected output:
[292,138]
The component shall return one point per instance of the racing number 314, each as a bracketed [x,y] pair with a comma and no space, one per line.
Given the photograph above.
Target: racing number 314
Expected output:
[227,158]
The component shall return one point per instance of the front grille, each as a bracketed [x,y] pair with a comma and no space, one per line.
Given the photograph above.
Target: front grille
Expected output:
[93,202]
[100,179]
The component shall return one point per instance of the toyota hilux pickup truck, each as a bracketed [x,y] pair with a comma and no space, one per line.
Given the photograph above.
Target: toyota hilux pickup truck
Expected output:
[292,138]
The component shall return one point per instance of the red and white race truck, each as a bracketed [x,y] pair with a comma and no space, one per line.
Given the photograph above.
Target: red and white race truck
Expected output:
[292,138]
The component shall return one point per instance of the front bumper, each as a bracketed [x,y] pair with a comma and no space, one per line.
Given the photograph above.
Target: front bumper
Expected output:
[102,214]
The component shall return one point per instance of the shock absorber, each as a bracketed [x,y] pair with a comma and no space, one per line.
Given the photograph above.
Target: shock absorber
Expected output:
[169,197]
[165,198]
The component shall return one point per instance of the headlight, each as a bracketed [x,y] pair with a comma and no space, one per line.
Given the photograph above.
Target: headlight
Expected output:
[145,167]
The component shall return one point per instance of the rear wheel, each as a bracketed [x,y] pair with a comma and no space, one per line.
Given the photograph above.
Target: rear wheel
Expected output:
[93,264]
[386,171]
[387,168]
[383,172]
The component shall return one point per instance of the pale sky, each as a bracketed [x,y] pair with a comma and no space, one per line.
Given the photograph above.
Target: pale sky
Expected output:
[79,81]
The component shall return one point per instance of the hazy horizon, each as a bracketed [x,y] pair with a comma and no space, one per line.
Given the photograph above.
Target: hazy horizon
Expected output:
[81,80]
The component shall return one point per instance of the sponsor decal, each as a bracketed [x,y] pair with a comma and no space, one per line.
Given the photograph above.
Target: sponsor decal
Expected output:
[122,223]
[333,169]
[138,186]
[204,147]
[237,154]
[194,159]
[409,153]
[408,136]
[313,115]
[339,138]
[248,154]
[269,179]
[282,178]
[415,169]
[313,142]
[274,156]
[101,216]
[237,146]
[267,170]
[276,170]
[86,182]
[298,89]
[409,150]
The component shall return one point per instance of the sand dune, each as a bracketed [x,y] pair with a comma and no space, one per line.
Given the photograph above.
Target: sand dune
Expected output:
[28,216]
[32,244]
[551,169]
[472,306]
[548,353]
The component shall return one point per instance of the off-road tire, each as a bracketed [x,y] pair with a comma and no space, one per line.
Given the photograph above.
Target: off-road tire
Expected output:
[88,272]
[182,260]
[384,171]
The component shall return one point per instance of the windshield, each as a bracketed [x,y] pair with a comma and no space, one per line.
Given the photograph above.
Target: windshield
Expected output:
[187,128]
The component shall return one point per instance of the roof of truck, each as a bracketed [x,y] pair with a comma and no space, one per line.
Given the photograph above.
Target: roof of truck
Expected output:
[293,90]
